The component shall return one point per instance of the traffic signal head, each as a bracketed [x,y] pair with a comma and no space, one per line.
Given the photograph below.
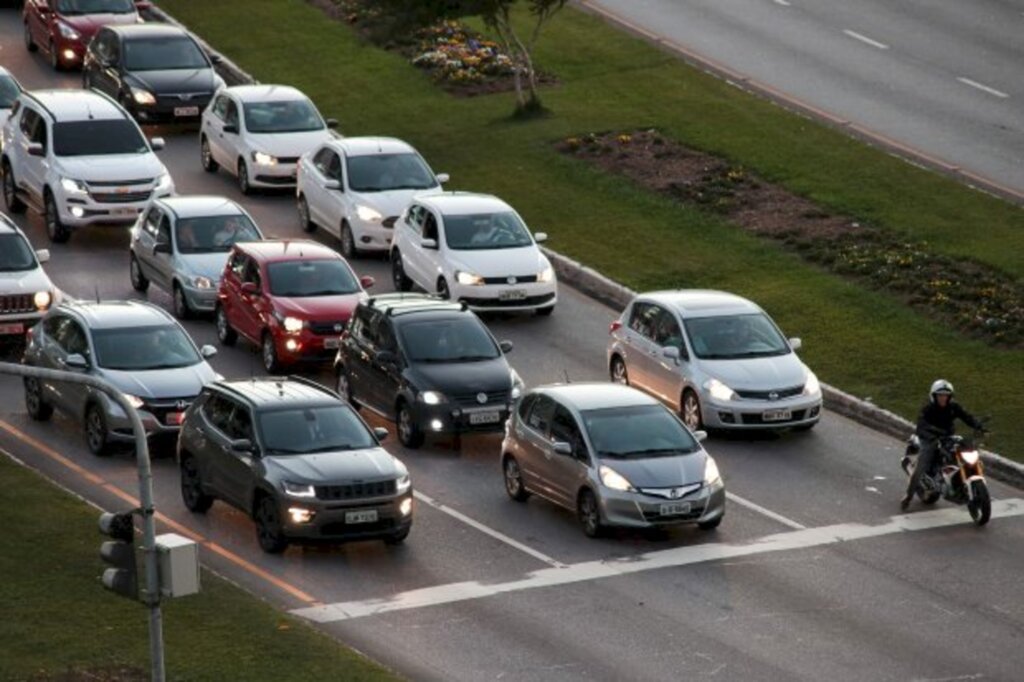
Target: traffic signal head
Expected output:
[119,552]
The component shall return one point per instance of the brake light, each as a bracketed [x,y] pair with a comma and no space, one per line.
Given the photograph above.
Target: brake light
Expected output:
[614,327]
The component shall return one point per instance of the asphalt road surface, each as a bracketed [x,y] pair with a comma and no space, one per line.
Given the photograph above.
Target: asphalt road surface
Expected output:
[810,577]
[940,76]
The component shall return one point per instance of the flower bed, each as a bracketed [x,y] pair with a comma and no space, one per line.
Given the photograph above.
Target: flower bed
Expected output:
[980,301]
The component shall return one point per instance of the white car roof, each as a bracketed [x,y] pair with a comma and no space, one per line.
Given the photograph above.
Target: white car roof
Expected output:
[368,146]
[596,396]
[266,93]
[198,206]
[462,203]
[702,302]
[77,105]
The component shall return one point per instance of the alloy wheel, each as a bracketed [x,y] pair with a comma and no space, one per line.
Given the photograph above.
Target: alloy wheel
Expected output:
[619,374]
[691,411]
[304,220]
[590,517]
[139,281]
[514,480]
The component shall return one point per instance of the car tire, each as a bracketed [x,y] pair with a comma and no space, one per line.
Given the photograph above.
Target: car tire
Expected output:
[344,388]
[38,409]
[206,156]
[57,231]
[96,431]
[589,514]
[409,433]
[269,532]
[139,281]
[54,57]
[348,241]
[442,289]
[711,525]
[399,279]
[225,334]
[179,303]
[397,538]
[617,371]
[545,312]
[305,221]
[243,178]
[268,354]
[30,44]
[690,412]
[514,485]
[12,201]
[192,487]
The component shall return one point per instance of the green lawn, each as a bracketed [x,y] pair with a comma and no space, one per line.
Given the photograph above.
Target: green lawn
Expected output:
[58,617]
[865,342]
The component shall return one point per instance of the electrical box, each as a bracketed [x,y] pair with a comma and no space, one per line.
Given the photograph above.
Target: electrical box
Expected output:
[178,560]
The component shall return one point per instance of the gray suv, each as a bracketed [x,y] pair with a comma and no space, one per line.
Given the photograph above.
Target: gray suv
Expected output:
[295,457]
[135,346]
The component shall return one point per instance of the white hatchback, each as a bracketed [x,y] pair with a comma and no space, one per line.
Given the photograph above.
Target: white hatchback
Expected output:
[258,133]
[472,248]
[356,187]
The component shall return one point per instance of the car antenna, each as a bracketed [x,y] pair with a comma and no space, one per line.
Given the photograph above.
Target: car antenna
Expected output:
[565,373]
[96,289]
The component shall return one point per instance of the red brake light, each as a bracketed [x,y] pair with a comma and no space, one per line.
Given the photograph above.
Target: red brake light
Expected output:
[614,327]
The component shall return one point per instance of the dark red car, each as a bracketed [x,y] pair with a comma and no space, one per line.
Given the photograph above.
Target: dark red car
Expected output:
[63,28]
[293,298]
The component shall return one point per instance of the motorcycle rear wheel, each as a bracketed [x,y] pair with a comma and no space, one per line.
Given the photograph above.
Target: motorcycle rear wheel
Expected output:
[981,506]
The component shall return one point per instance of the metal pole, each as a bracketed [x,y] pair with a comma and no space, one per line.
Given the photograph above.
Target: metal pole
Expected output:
[151,595]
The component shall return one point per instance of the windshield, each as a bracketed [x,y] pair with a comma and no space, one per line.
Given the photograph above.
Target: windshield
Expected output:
[9,91]
[158,54]
[299,278]
[216,234]
[385,172]
[732,337]
[485,231]
[98,138]
[637,432]
[142,348]
[73,7]
[298,116]
[15,253]
[462,339]
[313,429]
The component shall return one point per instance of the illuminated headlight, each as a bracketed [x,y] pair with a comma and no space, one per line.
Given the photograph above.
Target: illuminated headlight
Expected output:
[203,282]
[403,484]
[432,397]
[719,391]
[468,278]
[405,508]
[711,473]
[293,325]
[369,215]
[67,32]
[133,400]
[300,514]
[42,299]
[546,275]
[143,97]
[298,489]
[163,182]
[970,457]
[812,387]
[264,159]
[72,186]
[614,480]
[517,385]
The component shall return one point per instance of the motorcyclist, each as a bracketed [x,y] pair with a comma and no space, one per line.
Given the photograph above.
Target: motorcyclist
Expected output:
[936,421]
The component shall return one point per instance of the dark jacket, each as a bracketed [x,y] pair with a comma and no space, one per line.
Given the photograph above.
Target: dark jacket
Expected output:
[938,421]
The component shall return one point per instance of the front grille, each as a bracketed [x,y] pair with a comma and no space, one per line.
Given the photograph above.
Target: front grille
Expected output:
[287,159]
[119,183]
[276,179]
[494,399]
[777,394]
[17,303]
[120,197]
[496,303]
[757,418]
[327,328]
[185,99]
[525,279]
[354,491]
[164,406]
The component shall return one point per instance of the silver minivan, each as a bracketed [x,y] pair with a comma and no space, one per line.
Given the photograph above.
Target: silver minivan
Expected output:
[716,358]
[181,244]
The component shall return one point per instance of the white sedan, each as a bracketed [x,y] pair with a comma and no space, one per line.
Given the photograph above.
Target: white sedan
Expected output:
[356,187]
[472,248]
[258,133]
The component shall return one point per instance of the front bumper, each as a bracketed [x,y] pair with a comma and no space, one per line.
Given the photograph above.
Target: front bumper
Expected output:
[80,210]
[201,300]
[306,346]
[70,53]
[507,297]
[643,510]
[281,174]
[332,521]
[159,418]
[171,109]
[453,418]
[371,236]
[15,325]
[760,414]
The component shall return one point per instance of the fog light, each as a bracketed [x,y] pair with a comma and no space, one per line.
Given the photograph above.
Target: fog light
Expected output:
[69,55]
[726,417]
[77,211]
[300,514]
[436,424]
[406,506]
[292,345]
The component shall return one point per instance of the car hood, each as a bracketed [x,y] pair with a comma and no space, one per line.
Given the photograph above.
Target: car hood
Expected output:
[328,308]
[661,472]
[462,377]
[88,24]
[288,144]
[346,466]
[175,80]
[758,374]
[209,265]
[112,167]
[391,203]
[180,382]
[24,282]
[527,260]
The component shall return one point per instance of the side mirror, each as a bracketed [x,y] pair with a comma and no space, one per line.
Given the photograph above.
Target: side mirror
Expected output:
[506,346]
[429,244]
[701,436]
[366,281]
[231,128]
[561,447]
[208,351]
[671,352]
[216,59]
[242,445]
[36,149]
[142,5]
[76,361]
[795,343]
[540,237]
[250,288]
[443,177]
[43,255]
[380,432]
[334,185]
[332,123]
[386,357]
[162,247]
[157,143]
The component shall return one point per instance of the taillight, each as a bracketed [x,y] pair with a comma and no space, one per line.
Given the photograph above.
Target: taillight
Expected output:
[614,327]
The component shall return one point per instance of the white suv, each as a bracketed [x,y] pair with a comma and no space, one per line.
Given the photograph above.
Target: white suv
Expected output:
[26,292]
[472,248]
[79,159]
[356,187]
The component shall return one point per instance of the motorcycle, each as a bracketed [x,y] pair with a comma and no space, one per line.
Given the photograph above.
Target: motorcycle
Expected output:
[957,475]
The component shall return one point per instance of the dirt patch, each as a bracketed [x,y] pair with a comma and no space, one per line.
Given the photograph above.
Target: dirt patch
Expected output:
[982,302]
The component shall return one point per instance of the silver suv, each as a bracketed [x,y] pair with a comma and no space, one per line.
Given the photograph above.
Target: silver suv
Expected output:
[137,347]
[26,292]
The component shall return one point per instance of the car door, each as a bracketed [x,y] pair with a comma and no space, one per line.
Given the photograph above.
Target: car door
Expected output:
[228,140]
[359,350]
[433,258]
[336,201]
[385,377]
[73,340]
[143,240]
[563,472]
[250,306]
[213,126]
[36,15]
[163,260]
[31,172]
[230,294]
[639,345]
[312,176]
[667,373]
[104,74]
[216,445]
[535,445]
[411,228]
[51,356]
[239,465]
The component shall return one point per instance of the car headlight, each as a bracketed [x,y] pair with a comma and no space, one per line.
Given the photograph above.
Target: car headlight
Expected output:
[298,489]
[42,299]
[368,214]
[812,387]
[613,479]
[719,391]
[143,97]
[72,186]
[468,278]
[432,397]
[517,384]
[201,282]
[293,324]
[403,484]
[711,473]
[546,275]
[163,182]
[264,159]
[67,32]
[970,457]
[133,400]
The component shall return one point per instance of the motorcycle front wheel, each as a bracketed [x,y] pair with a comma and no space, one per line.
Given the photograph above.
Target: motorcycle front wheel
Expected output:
[981,506]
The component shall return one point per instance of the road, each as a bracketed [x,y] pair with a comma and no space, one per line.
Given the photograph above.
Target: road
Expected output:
[810,577]
[942,77]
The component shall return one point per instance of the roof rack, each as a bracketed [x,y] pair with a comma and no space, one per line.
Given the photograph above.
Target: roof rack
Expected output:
[313,384]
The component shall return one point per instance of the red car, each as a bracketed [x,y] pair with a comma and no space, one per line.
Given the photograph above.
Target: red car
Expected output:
[63,28]
[291,297]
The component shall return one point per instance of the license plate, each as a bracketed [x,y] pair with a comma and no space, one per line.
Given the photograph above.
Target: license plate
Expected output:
[512,295]
[675,508]
[365,516]
[186,111]
[484,417]
[124,212]
[776,415]
[14,328]
[331,343]
[175,418]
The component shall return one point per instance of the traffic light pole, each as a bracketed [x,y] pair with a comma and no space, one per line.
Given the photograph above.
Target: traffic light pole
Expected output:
[151,593]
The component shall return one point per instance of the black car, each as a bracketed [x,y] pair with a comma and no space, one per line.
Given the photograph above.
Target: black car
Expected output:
[158,73]
[428,364]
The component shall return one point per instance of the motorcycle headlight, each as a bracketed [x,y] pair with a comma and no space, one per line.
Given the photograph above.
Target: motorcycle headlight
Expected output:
[719,391]
[143,97]
[970,457]
[133,400]
[432,397]
[812,387]
[42,300]
[403,484]
[298,489]
[67,32]
[546,275]
[202,282]
[468,278]
[368,214]
[264,159]
[613,479]
[72,186]
[711,473]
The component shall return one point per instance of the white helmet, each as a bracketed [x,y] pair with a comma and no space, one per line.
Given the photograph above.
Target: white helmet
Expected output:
[940,386]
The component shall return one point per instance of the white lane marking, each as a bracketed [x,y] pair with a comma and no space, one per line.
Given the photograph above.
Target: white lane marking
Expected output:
[428,500]
[864,39]
[669,558]
[753,506]
[784,3]
[982,87]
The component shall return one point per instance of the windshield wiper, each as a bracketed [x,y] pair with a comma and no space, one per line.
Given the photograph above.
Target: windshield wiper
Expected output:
[287,451]
[660,451]
[472,358]
[611,453]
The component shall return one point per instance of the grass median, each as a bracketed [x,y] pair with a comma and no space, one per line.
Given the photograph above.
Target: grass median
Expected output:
[864,341]
[60,623]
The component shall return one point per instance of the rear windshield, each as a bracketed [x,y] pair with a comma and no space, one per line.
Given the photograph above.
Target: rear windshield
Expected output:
[73,7]
[98,138]
[462,339]
[215,234]
[303,431]
[158,54]
[299,278]
[15,254]
[297,116]
[144,348]
[9,91]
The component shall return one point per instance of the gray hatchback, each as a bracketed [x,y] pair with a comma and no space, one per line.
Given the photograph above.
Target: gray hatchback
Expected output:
[614,455]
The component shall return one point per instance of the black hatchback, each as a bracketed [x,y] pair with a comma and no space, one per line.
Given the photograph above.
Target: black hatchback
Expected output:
[430,365]
[156,72]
